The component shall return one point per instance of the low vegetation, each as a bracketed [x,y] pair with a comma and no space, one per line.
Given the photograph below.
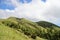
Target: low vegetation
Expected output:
[23,29]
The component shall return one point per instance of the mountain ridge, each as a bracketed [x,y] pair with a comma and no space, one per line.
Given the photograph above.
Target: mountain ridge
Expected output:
[33,29]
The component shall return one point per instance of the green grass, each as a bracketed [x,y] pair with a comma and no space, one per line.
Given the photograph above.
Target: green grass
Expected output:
[23,29]
[7,33]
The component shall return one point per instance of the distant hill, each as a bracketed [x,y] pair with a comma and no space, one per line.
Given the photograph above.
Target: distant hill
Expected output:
[46,24]
[23,29]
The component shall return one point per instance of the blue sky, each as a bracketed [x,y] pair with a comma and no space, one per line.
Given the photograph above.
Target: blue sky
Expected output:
[35,10]
[28,1]
[4,5]
[43,0]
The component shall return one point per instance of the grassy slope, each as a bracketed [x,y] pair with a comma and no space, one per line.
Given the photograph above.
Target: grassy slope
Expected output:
[7,33]
[26,26]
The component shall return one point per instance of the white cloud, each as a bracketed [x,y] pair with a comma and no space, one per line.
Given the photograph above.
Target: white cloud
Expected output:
[35,10]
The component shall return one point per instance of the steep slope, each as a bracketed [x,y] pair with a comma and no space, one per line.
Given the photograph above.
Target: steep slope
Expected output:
[35,30]
[7,33]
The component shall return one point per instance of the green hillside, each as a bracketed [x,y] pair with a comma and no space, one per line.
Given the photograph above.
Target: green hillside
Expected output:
[46,24]
[23,29]
[7,33]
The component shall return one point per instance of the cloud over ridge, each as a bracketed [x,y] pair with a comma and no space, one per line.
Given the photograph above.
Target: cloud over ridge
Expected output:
[35,10]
